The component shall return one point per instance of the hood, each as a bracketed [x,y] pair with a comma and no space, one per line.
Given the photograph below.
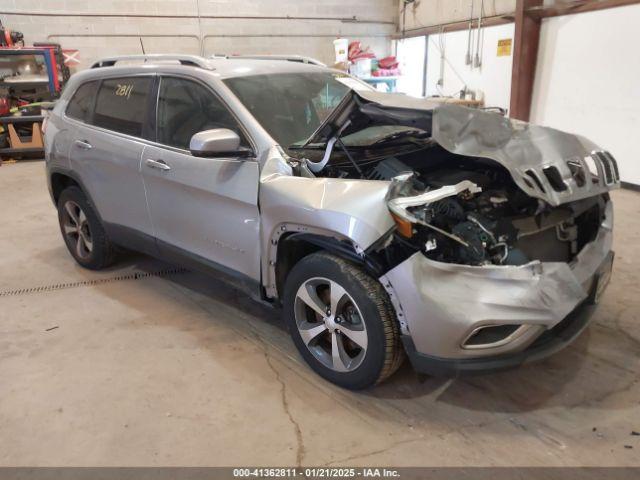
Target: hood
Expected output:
[546,163]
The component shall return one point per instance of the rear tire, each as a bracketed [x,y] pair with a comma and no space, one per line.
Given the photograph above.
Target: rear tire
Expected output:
[82,230]
[357,345]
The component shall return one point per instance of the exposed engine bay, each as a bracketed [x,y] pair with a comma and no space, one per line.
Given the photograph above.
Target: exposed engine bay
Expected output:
[467,186]
[464,210]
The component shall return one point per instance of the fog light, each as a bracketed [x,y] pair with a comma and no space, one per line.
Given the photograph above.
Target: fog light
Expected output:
[490,336]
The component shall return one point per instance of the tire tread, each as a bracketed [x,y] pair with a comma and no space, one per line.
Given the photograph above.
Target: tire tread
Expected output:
[394,352]
[373,289]
[106,250]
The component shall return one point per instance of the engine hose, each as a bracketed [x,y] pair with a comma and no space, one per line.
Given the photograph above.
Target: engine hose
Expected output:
[315,167]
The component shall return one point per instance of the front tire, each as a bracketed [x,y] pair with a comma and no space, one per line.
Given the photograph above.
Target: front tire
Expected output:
[341,321]
[82,231]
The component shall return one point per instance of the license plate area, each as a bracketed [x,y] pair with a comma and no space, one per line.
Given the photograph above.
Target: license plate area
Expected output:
[601,279]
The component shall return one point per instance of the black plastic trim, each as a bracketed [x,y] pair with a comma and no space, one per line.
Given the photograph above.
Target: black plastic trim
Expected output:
[149,245]
[132,239]
[341,249]
[240,153]
[630,186]
[172,254]
[445,367]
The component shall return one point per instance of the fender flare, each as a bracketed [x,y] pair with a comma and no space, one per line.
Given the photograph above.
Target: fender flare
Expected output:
[328,240]
[76,178]
[341,249]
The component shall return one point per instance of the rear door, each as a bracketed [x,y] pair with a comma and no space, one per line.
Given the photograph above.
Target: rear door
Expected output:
[202,208]
[107,150]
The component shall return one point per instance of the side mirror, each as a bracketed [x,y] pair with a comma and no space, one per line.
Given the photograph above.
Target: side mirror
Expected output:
[219,142]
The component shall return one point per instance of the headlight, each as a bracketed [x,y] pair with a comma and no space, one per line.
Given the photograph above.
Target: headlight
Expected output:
[401,187]
[402,196]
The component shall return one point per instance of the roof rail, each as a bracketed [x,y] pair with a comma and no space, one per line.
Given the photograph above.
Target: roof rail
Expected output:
[288,58]
[191,60]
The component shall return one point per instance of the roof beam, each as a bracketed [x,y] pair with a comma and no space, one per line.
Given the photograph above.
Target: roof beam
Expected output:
[569,7]
[454,26]
[525,54]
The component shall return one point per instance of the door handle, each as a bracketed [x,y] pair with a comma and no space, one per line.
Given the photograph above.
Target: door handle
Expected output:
[157,164]
[83,144]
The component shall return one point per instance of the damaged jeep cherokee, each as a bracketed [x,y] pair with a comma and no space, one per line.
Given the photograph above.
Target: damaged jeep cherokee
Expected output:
[383,225]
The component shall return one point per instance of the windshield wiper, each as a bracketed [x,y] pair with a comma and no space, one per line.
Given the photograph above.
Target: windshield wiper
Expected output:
[401,134]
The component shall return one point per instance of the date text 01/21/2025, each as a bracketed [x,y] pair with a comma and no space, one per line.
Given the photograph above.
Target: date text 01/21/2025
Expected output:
[315,472]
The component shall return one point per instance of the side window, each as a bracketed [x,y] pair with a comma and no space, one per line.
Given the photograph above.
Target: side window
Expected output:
[121,105]
[81,103]
[186,108]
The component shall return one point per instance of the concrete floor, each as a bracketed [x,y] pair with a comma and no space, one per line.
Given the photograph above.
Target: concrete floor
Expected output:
[183,370]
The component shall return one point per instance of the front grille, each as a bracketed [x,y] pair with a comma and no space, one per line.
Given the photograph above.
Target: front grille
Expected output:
[608,166]
[599,168]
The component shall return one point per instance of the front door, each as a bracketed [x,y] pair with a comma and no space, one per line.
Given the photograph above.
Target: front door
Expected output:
[205,208]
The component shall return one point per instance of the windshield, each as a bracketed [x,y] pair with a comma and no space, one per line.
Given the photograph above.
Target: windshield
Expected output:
[291,106]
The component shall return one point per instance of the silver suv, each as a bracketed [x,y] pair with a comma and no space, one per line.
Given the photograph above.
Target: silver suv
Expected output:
[382,224]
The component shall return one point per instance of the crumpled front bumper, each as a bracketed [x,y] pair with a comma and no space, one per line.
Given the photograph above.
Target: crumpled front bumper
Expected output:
[440,305]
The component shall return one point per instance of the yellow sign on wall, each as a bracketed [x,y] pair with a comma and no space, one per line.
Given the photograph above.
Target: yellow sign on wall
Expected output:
[504,47]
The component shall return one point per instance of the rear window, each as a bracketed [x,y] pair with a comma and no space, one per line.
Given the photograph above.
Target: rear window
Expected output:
[121,105]
[81,103]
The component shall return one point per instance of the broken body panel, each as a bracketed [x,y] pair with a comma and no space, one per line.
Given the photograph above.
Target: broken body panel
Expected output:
[496,279]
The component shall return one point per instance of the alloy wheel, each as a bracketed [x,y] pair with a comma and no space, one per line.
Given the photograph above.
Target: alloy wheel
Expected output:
[76,229]
[330,324]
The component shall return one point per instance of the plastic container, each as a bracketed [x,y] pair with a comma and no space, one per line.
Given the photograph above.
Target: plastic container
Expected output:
[341,46]
[362,68]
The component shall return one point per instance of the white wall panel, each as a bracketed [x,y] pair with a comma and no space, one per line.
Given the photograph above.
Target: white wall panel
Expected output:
[493,79]
[587,81]
[410,55]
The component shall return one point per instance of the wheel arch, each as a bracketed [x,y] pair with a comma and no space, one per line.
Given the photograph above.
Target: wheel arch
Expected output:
[61,181]
[292,243]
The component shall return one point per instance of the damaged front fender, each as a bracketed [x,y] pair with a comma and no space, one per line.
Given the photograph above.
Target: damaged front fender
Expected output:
[347,210]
